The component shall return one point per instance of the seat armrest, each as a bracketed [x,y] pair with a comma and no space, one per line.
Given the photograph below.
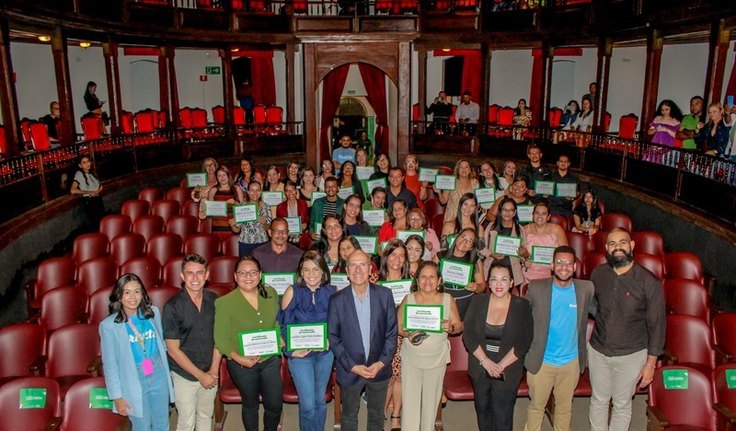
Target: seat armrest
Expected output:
[38,367]
[94,366]
[53,424]
[726,412]
[669,358]
[721,354]
[656,419]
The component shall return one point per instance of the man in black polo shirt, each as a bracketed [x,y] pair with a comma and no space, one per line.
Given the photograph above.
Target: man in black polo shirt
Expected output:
[535,171]
[188,321]
[278,255]
[397,189]
[562,205]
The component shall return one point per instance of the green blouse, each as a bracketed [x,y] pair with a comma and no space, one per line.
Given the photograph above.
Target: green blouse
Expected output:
[234,314]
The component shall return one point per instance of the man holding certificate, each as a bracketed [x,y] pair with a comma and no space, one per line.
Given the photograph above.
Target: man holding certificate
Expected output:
[361,321]
[566,188]
[246,333]
[304,327]
[426,316]
[278,255]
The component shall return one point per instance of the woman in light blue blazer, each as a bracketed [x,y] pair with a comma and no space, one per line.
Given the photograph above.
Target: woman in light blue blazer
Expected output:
[134,357]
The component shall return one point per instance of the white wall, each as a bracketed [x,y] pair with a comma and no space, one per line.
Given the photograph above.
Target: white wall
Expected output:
[129,99]
[190,64]
[626,83]
[511,76]
[682,73]
[86,64]
[35,80]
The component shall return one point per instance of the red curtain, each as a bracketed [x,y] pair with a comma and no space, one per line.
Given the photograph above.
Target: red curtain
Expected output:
[261,72]
[332,87]
[471,68]
[374,81]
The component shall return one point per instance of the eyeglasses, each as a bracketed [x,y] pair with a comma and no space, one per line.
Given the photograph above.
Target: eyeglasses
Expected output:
[311,271]
[466,240]
[281,231]
[251,273]
[416,218]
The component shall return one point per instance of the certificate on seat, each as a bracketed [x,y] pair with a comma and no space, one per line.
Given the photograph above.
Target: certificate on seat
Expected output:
[456,273]
[399,288]
[261,343]
[372,184]
[374,218]
[345,192]
[295,225]
[445,182]
[428,174]
[369,244]
[339,280]
[272,198]
[507,245]
[427,318]
[279,280]
[316,195]
[544,187]
[215,208]
[196,179]
[404,234]
[364,172]
[245,212]
[306,336]
[567,190]
[542,255]
[525,213]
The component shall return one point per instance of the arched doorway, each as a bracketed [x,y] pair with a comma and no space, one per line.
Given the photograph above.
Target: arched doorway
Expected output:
[351,119]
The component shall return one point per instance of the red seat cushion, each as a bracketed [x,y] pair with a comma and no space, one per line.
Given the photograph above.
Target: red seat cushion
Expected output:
[458,386]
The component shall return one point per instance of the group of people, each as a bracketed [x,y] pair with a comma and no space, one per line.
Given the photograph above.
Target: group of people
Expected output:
[378,302]
[709,130]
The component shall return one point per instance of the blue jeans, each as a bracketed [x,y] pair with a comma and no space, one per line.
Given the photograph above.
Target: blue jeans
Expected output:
[311,374]
[155,388]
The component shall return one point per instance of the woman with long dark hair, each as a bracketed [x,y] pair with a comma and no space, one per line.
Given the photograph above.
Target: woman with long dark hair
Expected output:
[252,306]
[94,105]
[507,225]
[134,357]
[352,216]
[87,185]
[665,125]
[329,240]
[464,250]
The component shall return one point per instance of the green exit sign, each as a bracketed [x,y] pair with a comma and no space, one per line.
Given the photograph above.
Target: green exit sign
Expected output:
[212,70]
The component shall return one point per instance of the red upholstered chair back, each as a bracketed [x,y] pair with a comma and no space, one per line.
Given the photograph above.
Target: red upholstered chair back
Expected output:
[146,121]
[199,117]
[458,354]
[185,118]
[164,246]
[218,115]
[384,5]
[612,220]
[606,122]
[274,115]
[171,272]
[683,264]
[627,126]
[126,246]
[686,297]
[652,262]
[63,306]
[415,112]
[222,269]
[115,224]
[88,246]
[299,6]
[3,142]
[648,241]
[689,338]
[40,137]
[259,114]
[97,273]
[92,127]
[17,418]
[79,413]
[555,117]
[134,208]
[148,225]
[238,116]
[204,244]
[179,194]
[724,333]
[592,261]
[98,307]
[493,114]
[54,272]
[165,208]
[20,345]
[692,406]
[506,117]
[146,268]
[71,349]
[722,393]
[127,123]
[182,225]
[161,295]
[580,242]
[151,194]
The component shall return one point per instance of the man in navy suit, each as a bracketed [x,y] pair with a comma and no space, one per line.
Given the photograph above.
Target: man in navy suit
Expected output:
[362,329]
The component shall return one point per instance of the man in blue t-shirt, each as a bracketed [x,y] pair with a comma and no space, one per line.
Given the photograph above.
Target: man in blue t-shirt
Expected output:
[557,356]
[343,153]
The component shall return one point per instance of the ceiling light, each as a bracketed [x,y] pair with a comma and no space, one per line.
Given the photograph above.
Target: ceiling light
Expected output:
[85,44]
[235,50]
[445,49]
[44,38]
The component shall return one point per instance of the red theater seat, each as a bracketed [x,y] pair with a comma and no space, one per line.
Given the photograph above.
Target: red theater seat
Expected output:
[146,268]
[148,226]
[63,306]
[135,208]
[688,343]
[79,414]
[98,306]
[165,208]
[179,194]
[724,396]
[682,264]
[21,345]
[73,354]
[52,273]
[222,270]
[724,336]
[627,126]
[164,246]
[126,246]
[686,297]
[96,274]
[612,220]
[115,224]
[580,242]
[203,244]
[651,262]
[182,225]
[88,246]
[17,417]
[161,295]
[649,242]
[151,194]
[171,272]
[688,409]
[457,382]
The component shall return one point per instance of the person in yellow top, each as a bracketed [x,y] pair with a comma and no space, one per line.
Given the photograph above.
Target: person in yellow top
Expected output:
[252,306]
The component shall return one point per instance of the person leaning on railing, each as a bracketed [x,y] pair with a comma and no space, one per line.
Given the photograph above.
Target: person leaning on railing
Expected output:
[712,137]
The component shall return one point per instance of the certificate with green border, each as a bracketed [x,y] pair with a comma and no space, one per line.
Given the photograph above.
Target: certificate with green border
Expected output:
[215,208]
[339,280]
[525,213]
[404,234]
[345,192]
[278,280]
[295,225]
[485,195]
[427,318]
[675,379]
[364,172]
[428,174]
[544,187]
[196,179]
[369,244]
[272,198]
[445,182]
[507,245]
[542,255]
[566,190]
[99,399]
[263,343]
[317,195]
[32,398]
[372,184]
[456,273]
[399,288]
[306,336]
[245,212]
[374,218]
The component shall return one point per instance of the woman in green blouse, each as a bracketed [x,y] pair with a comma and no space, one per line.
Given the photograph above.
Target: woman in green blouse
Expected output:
[252,306]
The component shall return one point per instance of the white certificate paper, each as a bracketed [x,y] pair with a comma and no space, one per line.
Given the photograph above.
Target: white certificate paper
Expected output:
[307,336]
[542,255]
[567,190]
[369,244]
[215,208]
[426,318]
[444,182]
[485,196]
[260,343]
[525,213]
[339,280]
[372,184]
[399,288]
[245,212]
[278,280]
[374,218]
[345,192]
[364,172]
[295,225]
[456,273]
[544,187]
[316,195]
[507,245]
[404,234]
[427,174]
[196,179]
[272,198]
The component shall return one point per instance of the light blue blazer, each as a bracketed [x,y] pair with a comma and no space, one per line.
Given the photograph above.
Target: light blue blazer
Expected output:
[121,374]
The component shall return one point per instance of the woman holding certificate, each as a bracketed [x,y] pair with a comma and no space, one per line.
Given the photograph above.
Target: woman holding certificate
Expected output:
[293,207]
[209,166]
[466,216]
[425,317]
[540,239]
[134,357]
[327,171]
[253,230]
[397,220]
[506,229]
[223,191]
[395,267]
[246,333]
[411,179]
[418,221]
[498,333]
[273,180]
[415,248]
[307,186]
[348,178]
[304,304]
[462,271]
[587,215]
[329,240]
[352,217]
[465,182]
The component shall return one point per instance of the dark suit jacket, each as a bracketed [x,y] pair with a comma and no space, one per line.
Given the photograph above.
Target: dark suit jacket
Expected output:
[517,334]
[539,296]
[344,333]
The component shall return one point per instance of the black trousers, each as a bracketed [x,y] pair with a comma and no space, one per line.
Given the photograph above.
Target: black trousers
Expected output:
[494,404]
[376,395]
[263,379]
